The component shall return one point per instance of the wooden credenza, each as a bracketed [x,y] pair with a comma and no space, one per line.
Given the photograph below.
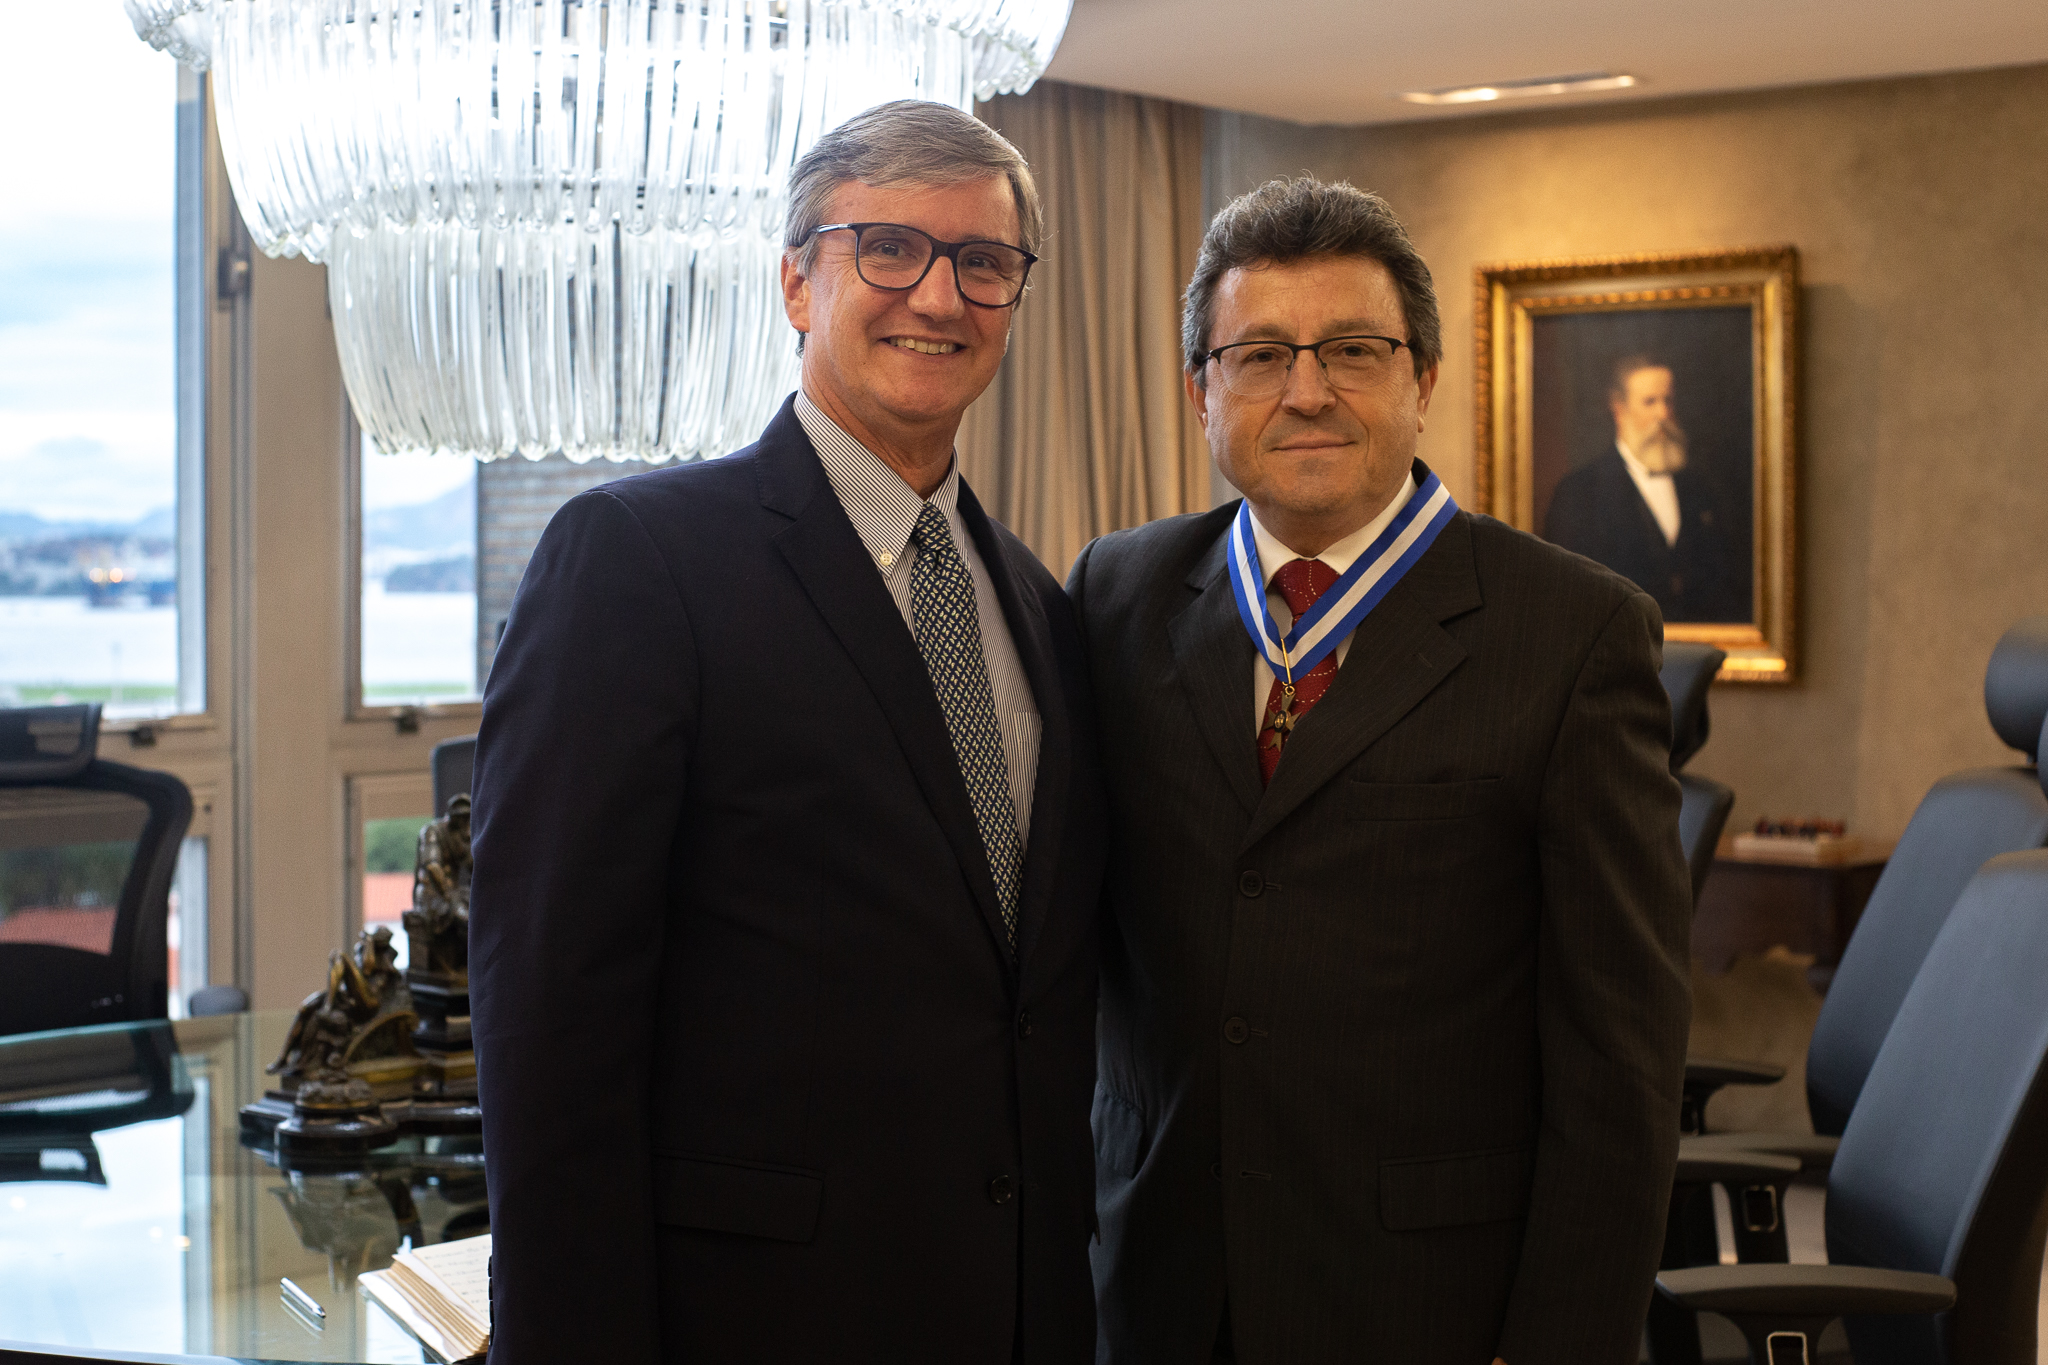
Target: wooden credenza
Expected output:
[1749,905]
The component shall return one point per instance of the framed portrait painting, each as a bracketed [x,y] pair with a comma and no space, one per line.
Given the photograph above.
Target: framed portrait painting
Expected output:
[1638,410]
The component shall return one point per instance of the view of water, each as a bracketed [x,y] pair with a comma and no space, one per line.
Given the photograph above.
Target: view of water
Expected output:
[416,646]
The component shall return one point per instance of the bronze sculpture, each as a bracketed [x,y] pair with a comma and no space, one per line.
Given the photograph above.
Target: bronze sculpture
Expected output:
[437,929]
[359,1026]
[379,1051]
[438,923]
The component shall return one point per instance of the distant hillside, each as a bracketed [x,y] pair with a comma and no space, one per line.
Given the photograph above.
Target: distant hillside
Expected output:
[18,525]
[454,574]
[444,523]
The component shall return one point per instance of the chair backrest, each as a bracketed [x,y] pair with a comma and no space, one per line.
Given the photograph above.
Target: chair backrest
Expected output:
[2016,686]
[1687,674]
[1964,819]
[454,763]
[48,743]
[85,878]
[1944,1165]
[1702,815]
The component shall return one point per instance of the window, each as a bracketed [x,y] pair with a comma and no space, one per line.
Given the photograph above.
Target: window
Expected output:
[419,601]
[390,848]
[100,516]
[443,543]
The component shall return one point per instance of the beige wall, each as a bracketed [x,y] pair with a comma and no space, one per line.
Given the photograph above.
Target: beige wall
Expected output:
[1920,210]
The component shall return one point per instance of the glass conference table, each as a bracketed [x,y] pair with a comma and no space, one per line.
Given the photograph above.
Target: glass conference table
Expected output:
[132,1218]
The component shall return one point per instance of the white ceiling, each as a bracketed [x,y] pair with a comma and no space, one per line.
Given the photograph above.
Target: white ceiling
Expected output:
[1341,61]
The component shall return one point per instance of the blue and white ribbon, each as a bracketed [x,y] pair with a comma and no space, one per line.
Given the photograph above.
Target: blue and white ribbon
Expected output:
[1338,611]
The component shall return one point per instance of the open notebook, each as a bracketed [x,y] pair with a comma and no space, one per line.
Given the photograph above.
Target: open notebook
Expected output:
[442,1295]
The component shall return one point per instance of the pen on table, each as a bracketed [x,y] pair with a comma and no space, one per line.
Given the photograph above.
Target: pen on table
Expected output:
[299,1298]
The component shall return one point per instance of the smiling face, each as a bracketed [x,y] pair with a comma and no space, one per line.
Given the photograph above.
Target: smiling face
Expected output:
[1316,464]
[897,369]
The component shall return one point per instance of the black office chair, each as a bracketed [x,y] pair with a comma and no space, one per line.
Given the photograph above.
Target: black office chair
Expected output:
[1687,675]
[454,764]
[217,1000]
[1688,672]
[1964,820]
[87,849]
[1938,1197]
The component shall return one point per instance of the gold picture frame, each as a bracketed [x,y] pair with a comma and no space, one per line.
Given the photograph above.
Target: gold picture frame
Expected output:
[1574,361]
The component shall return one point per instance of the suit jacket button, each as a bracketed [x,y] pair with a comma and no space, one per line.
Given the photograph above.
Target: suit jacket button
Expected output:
[1023,1023]
[1216,1169]
[1002,1189]
[1250,883]
[1236,1030]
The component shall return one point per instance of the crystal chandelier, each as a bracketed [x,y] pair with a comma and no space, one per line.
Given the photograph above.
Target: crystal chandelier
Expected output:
[554,224]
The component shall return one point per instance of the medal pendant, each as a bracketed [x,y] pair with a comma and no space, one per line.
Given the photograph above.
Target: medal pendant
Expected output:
[1281,720]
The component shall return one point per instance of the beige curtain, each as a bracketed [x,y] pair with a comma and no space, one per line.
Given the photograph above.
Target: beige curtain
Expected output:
[1086,429]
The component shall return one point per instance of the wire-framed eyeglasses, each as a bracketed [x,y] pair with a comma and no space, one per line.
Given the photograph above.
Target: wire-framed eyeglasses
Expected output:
[892,256]
[1259,369]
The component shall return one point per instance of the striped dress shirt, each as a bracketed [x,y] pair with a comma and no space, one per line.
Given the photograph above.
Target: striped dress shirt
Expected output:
[884,511]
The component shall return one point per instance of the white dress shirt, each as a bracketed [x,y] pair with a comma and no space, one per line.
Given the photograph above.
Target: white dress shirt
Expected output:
[1341,556]
[1658,491]
[884,511]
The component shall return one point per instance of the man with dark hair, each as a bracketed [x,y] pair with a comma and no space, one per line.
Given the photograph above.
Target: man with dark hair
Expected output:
[1640,508]
[1394,975]
[788,848]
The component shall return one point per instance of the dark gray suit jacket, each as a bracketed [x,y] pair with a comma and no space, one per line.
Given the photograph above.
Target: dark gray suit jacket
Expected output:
[1391,1051]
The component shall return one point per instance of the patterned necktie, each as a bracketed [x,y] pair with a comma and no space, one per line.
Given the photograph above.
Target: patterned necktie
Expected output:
[949,637]
[1301,582]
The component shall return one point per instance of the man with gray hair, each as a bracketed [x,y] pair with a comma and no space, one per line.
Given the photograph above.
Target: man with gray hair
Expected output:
[1394,970]
[788,848]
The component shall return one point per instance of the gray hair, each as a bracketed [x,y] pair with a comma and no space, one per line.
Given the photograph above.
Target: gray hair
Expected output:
[904,142]
[1283,221]
[1627,366]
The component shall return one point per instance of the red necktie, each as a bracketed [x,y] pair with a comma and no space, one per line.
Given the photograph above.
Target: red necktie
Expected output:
[1301,582]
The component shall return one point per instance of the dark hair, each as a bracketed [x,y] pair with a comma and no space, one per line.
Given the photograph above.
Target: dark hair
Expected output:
[1283,221]
[1627,366]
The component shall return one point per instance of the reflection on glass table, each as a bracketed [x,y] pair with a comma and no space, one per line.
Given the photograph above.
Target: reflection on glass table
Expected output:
[132,1217]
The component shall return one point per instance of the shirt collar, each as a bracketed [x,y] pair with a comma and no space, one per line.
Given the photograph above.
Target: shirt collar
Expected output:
[1340,556]
[1636,467]
[883,508]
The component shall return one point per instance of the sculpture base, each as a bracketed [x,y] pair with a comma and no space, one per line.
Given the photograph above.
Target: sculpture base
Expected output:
[334,1134]
[264,1122]
[442,1004]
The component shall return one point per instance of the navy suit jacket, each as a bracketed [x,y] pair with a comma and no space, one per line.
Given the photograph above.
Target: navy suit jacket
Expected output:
[761,1080]
[1597,512]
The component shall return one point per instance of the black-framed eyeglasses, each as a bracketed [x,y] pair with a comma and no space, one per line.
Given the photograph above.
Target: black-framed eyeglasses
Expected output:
[1259,369]
[892,256]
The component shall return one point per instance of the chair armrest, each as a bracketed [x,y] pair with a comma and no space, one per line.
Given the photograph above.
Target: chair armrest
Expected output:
[1703,1166]
[1705,1075]
[1804,1291]
[1719,1071]
[1815,1151]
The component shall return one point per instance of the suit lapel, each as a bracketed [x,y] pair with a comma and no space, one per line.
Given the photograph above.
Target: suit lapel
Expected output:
[1212,659]
[1032,634]
[1398,656]
[826,554]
